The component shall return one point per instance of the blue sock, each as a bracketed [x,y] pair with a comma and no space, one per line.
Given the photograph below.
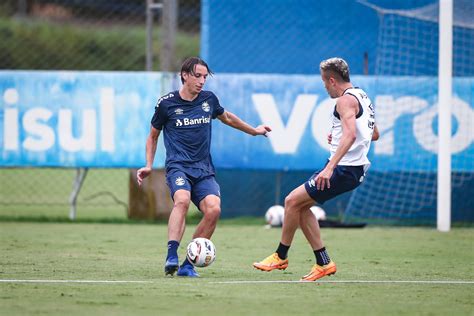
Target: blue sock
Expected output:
[172,248]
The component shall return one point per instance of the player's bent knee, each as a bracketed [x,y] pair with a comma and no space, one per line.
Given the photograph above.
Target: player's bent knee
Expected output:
[290,203]
[213,212]
[181,205]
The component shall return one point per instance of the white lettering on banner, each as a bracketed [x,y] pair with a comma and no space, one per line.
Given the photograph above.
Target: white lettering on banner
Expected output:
[87,140]
[285,140]
[32,123]
[11,96]
[41,136]
[321,122]
[10,129]
[387,111]
[464,136]
[107,123]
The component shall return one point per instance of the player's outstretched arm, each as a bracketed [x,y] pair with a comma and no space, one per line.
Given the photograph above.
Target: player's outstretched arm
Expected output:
[151,143]
[234,121]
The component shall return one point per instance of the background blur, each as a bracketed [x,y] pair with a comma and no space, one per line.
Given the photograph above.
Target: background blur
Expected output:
[90,35]
[260,51]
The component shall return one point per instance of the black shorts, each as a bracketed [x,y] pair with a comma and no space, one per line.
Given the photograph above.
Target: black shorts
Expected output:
[343,179]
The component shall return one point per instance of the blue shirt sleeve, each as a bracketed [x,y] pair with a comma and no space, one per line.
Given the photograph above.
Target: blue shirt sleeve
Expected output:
[218,109]
[161,115]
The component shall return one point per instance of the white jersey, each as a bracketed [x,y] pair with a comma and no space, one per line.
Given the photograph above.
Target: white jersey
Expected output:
[365,123]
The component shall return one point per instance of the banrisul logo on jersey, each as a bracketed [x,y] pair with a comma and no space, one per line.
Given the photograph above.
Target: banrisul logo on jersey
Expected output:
[196,121]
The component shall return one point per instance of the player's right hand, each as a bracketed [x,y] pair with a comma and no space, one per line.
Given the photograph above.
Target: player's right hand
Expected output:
[329,138]
[323,179]
[142,173]
[262,130]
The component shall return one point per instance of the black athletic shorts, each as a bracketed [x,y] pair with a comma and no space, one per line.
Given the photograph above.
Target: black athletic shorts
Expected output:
[343,179]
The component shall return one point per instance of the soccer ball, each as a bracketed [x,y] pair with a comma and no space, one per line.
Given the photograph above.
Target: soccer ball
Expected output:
[274,215]
[318,212]
[201,252]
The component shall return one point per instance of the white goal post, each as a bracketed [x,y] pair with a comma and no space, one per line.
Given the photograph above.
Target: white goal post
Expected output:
[445,72]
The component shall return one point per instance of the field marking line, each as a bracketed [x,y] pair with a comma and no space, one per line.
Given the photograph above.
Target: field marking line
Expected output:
[352,281]
[73,281]
[236,282]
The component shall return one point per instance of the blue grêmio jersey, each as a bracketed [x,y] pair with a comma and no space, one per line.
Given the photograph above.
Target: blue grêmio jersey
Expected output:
[186,127]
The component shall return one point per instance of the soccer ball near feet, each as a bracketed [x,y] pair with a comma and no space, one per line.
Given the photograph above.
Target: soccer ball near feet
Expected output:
[201,252]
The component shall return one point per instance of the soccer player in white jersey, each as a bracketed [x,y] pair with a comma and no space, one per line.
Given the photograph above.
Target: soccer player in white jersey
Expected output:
[353,129]
[185,116]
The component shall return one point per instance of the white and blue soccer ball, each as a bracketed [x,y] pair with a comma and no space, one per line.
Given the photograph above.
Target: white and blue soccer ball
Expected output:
[201,252]
[318,212]
[274,216]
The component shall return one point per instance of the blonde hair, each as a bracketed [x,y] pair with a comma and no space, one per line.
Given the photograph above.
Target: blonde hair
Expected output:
[337,66]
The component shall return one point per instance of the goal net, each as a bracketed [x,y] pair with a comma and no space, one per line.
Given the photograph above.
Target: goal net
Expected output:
[407,50]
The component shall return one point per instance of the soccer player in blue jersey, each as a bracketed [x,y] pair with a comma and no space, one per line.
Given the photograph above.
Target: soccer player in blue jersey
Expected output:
[353,129]
[185,118]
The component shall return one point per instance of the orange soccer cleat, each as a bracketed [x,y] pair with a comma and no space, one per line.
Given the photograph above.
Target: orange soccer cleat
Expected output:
[271,262]
[317,272]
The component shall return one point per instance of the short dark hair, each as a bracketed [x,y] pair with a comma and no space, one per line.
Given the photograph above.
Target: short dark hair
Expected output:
[336,66]
[190,63]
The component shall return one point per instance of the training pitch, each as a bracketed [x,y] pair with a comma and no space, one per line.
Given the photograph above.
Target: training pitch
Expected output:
[117,269]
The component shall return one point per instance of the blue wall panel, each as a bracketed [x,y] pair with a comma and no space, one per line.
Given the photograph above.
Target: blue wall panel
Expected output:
[283,36]
[76,119]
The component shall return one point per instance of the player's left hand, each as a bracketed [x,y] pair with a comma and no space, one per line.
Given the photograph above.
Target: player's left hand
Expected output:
[322,179]
[262,130]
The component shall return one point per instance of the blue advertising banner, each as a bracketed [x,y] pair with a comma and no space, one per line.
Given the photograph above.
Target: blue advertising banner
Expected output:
[76,119]
[299,109]
[102,119]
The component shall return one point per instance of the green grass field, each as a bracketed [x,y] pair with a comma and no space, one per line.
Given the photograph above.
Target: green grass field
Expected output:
[135,252]
[43,194]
